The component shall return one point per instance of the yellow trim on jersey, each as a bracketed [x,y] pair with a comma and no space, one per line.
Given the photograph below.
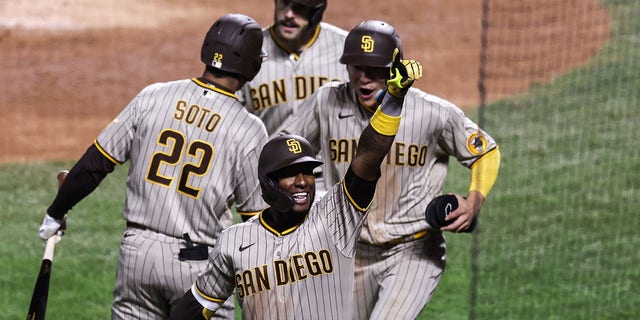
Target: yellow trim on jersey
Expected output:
[207,314]
[276,232]
[284,48]
[105,154]
[353,202]
[248,214]
[484,172]
[206,297]
[385,124]
[315,36]
[213,88]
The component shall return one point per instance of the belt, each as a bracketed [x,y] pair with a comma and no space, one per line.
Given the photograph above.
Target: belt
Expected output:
[193,251]
[136,225]
[411,237]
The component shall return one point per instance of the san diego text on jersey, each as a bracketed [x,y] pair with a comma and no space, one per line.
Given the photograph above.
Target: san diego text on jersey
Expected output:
[284,272]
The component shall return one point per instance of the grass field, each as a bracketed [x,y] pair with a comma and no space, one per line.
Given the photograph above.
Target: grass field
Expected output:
[85,261]
[561,241]
[558,237]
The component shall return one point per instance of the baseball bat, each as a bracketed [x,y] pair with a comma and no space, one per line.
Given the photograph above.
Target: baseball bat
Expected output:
[40,294]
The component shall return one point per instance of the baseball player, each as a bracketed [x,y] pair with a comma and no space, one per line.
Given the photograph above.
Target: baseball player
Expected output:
[295,260]
[303,54]
[193,151]
[400,257]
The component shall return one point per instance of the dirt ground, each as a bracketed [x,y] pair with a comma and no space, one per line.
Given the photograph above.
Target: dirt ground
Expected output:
[68,67]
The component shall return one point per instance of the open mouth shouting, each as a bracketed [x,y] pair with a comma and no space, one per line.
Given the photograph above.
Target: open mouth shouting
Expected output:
[366,94]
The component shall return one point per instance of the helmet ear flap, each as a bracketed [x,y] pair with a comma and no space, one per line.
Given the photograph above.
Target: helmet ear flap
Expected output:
[272,195]
[317,10]
[316,15]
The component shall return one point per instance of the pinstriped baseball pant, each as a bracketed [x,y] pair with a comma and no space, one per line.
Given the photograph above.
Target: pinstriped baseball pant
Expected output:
[397,281]
[151,279]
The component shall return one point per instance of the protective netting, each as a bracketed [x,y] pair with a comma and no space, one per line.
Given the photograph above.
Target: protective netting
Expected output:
[558,236]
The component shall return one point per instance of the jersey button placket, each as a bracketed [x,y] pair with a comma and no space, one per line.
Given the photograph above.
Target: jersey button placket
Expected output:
[277,255]
[277,248]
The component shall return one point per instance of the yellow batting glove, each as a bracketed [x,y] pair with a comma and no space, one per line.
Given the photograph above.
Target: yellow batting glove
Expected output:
[402,74]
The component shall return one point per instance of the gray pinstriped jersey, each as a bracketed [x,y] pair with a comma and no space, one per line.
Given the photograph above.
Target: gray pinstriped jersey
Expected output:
[193,151]
[285,78]
[303,273]
[414,171]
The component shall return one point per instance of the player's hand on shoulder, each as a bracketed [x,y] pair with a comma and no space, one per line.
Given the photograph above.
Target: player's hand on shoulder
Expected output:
[51,226]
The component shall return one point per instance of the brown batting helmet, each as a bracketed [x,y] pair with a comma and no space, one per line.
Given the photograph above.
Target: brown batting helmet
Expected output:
[279,153]
[234,44]
[317,9]
[371,43]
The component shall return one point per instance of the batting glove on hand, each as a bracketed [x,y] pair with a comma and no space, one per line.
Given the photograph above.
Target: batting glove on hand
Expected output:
[402,74]
[51,226]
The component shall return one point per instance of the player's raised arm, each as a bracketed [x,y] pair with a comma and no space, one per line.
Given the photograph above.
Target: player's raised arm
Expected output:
[377,137]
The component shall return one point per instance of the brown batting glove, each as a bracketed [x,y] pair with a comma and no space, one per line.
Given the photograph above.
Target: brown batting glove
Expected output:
[402,74]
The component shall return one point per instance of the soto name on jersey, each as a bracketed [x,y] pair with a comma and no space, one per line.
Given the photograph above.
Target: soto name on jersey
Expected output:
[195,114]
